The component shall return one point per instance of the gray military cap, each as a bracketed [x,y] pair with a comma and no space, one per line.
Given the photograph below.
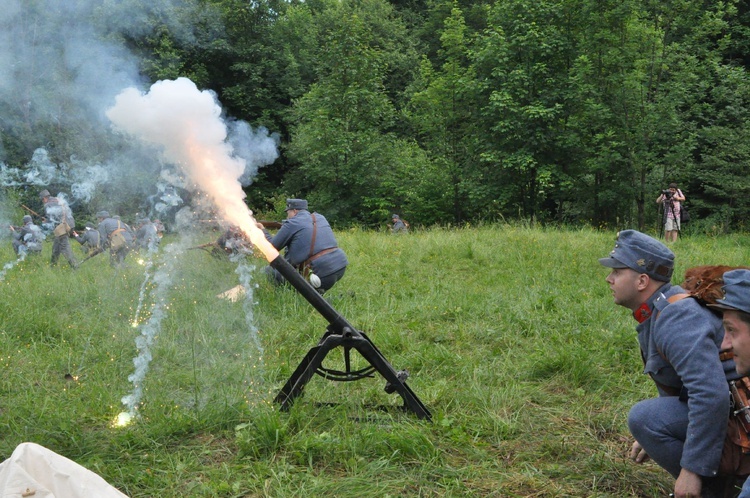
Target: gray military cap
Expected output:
[395,217]
[44,193]
[295,204]
[102,214]
[736,291]
[26,219]
[641,253]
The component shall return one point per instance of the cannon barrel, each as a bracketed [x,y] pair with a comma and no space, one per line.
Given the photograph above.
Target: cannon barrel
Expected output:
[338,323]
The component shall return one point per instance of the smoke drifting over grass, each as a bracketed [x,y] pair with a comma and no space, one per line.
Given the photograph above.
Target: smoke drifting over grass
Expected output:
[62,64]
[67,76]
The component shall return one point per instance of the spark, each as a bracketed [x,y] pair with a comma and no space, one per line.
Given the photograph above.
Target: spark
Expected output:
[123,419]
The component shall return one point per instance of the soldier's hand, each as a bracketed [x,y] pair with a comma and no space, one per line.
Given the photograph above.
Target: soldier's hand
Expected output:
[688,485]
[259,225]
[637,453]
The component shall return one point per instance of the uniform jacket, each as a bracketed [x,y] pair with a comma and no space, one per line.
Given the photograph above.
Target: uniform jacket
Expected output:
[295,235]
[90,238]
[109,225]
[680,345]
[56,212]
[31,236]
[146,236]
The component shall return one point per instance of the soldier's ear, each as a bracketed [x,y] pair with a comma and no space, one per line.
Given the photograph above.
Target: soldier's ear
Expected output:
[643,281]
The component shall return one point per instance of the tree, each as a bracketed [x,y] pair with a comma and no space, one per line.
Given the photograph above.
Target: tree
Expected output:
[343,123]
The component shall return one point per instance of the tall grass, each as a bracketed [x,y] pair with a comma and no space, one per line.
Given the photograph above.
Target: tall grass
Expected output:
[509,334]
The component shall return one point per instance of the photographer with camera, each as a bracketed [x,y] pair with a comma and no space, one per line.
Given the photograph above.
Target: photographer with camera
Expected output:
[671,199]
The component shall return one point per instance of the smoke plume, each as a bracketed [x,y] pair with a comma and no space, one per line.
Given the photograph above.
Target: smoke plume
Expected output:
[186,123]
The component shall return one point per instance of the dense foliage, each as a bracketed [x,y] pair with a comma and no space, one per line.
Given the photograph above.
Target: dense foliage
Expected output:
[447,111]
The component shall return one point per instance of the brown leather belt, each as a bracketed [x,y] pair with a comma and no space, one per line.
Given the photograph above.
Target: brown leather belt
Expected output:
[321,253]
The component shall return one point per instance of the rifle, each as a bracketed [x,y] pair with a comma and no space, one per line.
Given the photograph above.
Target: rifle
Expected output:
[205,246]
[269,224]
[31,211]
[96,252]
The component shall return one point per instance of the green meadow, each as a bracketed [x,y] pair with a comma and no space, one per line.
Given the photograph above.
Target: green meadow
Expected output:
[509,334]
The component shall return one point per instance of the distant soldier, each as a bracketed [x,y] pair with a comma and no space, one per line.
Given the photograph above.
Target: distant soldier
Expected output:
[58,214]
[28,238]
[146,236]
[160,229]
[90,239]
[115,236]
[399,225]
[234,241]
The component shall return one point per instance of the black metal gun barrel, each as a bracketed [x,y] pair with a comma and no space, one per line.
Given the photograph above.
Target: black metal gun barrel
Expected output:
[338,323]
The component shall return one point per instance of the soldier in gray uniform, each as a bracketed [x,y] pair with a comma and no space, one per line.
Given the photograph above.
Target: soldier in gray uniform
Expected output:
[684,429]
[58,214]
[399,225]
[28,238]
[90,240]
[310,246]
[146,236]
[115,236]
[735,309]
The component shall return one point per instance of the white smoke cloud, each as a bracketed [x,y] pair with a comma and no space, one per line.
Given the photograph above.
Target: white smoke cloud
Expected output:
[86,179]
[187,124]
[62,63]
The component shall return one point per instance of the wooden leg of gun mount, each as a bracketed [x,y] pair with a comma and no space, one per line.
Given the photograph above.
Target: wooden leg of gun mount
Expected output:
[314,359]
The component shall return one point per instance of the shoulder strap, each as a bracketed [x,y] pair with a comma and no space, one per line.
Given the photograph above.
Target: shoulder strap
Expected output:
[312,241]
[677,297]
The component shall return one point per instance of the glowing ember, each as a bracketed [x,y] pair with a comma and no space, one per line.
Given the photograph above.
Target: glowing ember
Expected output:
[123,419]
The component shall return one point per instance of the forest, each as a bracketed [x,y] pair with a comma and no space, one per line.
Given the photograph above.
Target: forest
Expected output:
[575,112]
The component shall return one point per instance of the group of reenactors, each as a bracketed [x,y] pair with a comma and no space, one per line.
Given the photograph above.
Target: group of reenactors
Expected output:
[110,234]
[307,237]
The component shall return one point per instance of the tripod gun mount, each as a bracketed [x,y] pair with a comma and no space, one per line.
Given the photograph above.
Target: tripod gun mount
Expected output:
[340,333]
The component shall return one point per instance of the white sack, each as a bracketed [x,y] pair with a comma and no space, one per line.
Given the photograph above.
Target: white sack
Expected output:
[33,471]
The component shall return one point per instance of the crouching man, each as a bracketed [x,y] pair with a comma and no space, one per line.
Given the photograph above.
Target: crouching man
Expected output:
[684,428]
[735,307]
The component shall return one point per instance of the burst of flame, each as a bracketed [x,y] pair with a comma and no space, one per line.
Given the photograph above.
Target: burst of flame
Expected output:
[123,419]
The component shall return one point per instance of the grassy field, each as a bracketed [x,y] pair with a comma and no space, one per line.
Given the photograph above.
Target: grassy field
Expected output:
[509,333]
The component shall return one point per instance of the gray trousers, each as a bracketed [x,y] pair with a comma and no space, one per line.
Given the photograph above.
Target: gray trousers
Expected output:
[61,245]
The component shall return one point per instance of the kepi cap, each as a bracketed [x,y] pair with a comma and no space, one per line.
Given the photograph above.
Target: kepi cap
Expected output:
[644,254]
[102,214]
[395,217]
[44,193]
[736,291]
[26,219]
[295,204]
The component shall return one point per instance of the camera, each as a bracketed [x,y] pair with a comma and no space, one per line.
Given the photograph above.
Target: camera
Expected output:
[667,193]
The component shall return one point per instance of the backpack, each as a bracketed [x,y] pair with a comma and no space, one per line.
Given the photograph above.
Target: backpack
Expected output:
[684,215]
[704,282]
[117,238]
